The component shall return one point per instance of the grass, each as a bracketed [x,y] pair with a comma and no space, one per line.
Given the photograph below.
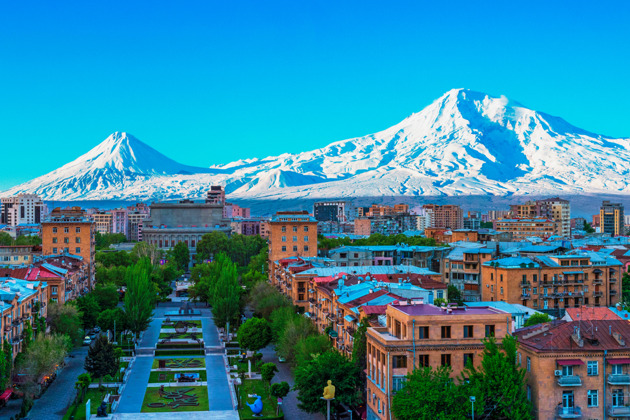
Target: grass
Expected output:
[179,359]
[175,336]
[152,396]
[95,396]
[170,376]
[197,323]
[242,366]
[258,387]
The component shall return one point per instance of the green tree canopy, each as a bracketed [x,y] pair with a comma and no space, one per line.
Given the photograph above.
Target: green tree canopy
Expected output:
[537,318]
[254,334]
[101,360]
[5,239]
[41,357]
[311,347]
[64,319]
[359,347]
[268,371]
[312,377]
[88,309]
[181,256]
[226,297]
[454,295]
[107,296]
[139,298]
[110,318]
[296,329]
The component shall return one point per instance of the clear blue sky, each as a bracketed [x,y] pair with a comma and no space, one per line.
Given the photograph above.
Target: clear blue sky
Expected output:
[209,82]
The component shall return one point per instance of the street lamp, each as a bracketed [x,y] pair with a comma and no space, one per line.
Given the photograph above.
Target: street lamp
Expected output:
[472,412]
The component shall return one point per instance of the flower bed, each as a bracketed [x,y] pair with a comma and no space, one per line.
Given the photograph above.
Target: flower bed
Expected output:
[169,376]
[179,363]
[175,399]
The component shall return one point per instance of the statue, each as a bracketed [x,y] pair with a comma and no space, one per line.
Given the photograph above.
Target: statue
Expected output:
[256,407]
[102,410]
[329,391]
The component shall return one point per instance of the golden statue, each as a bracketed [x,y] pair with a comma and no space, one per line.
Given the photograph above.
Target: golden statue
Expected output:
[329,391]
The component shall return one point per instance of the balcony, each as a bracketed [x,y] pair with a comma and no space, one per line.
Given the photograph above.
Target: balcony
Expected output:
[618,411]
[569,380]
[525,296]
[623,379]
[612,280]
[569,412]
[598,281]
[525,284]
[613,292]
[301,290]
[598,294]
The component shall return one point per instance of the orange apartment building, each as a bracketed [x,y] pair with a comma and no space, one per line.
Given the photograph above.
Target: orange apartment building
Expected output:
[448,216]
[553,282]
[577,370]
[375,210]
[462,269]
[70,231]
[291,234]
[522,229]
[421,335]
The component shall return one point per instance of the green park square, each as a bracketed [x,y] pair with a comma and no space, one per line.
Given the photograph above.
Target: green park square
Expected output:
[176,363]
[170,405]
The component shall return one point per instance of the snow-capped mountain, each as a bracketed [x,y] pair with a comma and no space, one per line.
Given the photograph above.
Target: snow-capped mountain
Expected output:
[464,143]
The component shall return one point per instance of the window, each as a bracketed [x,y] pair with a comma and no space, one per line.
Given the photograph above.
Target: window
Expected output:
[529,364]
[284,249]
[54,250]
[489,330]
[54,230]
[284,239]
[468,358]
[501,276]
[284,228]
[617,398]
[66,240]
[54,289]
[78,250]
[524,278]
[306,239]
[501,290]
[423,333]
[305,228]
[305,248]
[492,288]
[66,230]
[592,368]
[54,240]
[77,240]
[616,370]
[446,332]
[294,248]
[535,290]
[295,239]
[77,230]
[399,362]
[529,393]
[423,360]
[535,278]
[593,398]
[445,359]
[294,228]
[398,382]
[66,250]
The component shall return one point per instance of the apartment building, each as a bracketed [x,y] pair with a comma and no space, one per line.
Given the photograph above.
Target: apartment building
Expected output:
[420,256]
[611,219]
[22,209]
[447,216]
[419,334]
[18,254]
[334,211]
[375,210]
[555,209]
[553,283]
[521,229]
[462,269]
[216,195]
[103,221]
[362,227]
[577,370]
[70,231]
[292,234]
[234,211]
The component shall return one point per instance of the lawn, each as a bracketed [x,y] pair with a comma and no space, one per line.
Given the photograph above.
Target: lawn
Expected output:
[170,376]
[196,322]
[193,398]
[258,387]
[242,366]
[175,336]
[95,396]
[183,362]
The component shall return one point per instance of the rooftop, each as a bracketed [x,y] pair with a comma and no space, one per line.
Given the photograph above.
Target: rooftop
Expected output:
[418,309]
[598,335]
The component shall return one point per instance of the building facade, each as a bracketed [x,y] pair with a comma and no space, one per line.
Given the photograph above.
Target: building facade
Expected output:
[333,211]
[22,209]
[611,219]
[555,209]
[521,229]
[292,234]
[447,216]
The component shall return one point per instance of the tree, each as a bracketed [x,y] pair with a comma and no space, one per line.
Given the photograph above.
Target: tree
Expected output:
[146,250]
[101,360]
[41,358]
[64,319]
[27,334]
[110,318]
[106,296]
[280,390]
[210,244]
[254,334]
[310,347]
[139,298]
[226,297]
[5,239]
[359,348]
[454,295]
[431,394]
[625,290]
[279,319]
[268,371]
[588,228]
[5,369]
[312,377]
[83,382]
[537,318]
[89,310]
[296,330]
[28,240]
[181,255]
[500,381]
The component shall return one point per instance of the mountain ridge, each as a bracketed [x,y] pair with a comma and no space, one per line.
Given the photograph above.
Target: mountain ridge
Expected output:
[464,143]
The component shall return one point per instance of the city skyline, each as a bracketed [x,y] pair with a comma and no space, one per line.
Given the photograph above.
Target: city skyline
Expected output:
[221,75]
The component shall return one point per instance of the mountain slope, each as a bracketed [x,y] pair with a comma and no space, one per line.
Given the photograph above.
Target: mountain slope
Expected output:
[463,143]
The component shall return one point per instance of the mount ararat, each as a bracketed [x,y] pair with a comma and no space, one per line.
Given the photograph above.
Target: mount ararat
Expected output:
[464,143]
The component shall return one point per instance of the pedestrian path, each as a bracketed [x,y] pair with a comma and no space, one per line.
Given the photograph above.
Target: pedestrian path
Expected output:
[219,393]
[133,395]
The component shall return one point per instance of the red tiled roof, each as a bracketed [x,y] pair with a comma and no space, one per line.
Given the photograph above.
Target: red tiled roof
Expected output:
[591,313]
[17,273]
[366,298]
[595,335]
[374,309]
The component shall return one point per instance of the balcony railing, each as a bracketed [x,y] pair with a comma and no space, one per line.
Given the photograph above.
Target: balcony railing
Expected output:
[612,280]
[622,379]
[598,294]
[569,380]
[613,292]
[525,296]
[598,281]
[618,411]
[569,412]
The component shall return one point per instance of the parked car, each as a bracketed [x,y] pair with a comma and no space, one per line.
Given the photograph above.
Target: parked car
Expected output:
[281,359]
[93,335]
[87,341]
[97,329]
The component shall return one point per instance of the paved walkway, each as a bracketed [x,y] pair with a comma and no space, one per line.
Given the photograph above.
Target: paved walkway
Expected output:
[219,393]
[61,393]
[133,395]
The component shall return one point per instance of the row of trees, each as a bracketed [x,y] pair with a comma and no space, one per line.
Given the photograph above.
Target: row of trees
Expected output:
[324,243]
[239,248]
[7,240]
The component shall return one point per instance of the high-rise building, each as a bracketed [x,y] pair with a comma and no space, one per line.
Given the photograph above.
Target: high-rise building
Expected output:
[22,209]
[292,234]
[216,195]
[333,211]
[555,209]
[102,221]
[611,218]
[448,216]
